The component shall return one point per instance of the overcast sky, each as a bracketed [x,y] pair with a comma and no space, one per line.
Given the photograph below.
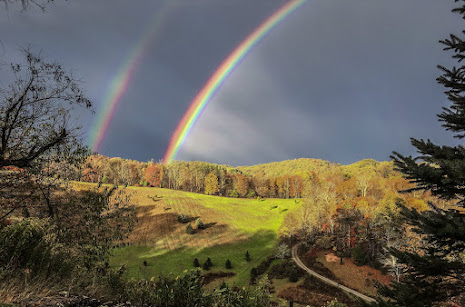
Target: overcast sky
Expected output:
[337,80]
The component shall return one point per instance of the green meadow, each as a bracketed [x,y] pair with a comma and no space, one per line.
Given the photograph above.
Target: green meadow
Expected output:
[233,226]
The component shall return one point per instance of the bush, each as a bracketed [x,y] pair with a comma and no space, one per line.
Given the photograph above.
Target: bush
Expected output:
[188,290]
[293,276]
[209,262]
[32,245]
[334,303]
[251,194]
[182,218]
[284,270]
[247,256]
[189,229]
[325,242]
[199,224]
[228,264]
[206,266]
[234,194]
[283,251]
[196,263]
[223,286]
[253,273]
[359,255]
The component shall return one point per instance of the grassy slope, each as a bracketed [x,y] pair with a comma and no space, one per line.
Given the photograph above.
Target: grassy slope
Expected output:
[234,226]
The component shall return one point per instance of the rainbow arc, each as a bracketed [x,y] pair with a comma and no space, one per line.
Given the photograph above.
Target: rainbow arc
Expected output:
[200,102]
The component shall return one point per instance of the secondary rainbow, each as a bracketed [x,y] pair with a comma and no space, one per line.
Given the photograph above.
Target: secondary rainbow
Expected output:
[203,97]
[120,82]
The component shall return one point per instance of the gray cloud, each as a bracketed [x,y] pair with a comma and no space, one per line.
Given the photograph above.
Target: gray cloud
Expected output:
[337,80]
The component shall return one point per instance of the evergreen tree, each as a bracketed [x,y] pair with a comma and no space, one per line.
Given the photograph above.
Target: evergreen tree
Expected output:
[436,274]
[209,262]
[199,224]
[247,256]
[189,229]
[293,277]
[228,264]
[196,263]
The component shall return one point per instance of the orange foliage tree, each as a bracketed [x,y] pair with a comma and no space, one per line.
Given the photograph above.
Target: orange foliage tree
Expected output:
[241,184]
[154,174]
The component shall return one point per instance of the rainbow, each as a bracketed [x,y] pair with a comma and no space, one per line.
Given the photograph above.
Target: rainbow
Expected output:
[120,82]
[222,72]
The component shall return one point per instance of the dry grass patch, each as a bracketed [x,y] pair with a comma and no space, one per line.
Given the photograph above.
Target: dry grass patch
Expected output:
[356,277]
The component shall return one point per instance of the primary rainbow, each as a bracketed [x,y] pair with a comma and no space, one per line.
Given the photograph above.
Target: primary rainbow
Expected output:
[203,97]
[121,80]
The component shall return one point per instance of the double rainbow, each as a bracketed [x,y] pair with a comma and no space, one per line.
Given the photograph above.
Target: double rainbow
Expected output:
[120,82]
[217,78]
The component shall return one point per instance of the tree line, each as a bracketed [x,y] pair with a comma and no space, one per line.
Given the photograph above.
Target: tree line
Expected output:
[367,178]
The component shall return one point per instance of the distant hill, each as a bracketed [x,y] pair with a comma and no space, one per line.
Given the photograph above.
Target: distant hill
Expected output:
[303,166]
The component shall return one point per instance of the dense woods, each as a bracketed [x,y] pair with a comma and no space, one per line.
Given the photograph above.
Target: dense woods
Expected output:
[349,208]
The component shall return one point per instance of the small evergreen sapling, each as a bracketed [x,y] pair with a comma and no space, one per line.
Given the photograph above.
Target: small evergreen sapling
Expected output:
[199,224]
[253,275]
[196,263]
[247,256]
[293,276]
[189,229]
[182,218]
[228,264]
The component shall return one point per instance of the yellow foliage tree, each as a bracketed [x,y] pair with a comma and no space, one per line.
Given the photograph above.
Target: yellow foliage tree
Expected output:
[211,184]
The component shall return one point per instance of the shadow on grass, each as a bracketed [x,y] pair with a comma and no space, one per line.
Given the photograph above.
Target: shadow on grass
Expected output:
[150,226]
[190,219]
[260,245]
[208,225]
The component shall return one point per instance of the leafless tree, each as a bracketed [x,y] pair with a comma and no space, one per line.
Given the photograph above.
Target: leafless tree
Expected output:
[35,111]
[26,4]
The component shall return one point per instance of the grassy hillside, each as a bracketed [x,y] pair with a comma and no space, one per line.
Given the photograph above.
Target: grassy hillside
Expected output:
[233,226]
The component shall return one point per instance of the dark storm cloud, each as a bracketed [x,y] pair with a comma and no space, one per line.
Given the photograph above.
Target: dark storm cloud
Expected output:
[337,80]
[360,73]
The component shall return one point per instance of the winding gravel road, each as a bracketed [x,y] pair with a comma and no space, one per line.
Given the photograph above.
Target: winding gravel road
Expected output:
[327,280]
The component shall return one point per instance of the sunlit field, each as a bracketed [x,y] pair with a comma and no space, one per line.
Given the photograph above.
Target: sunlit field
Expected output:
[233,226]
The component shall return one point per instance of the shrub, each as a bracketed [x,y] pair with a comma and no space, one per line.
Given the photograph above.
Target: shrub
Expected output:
[206,266]
[188,290]
[199,224]
[251,194]
[145,263]
[283,270]
[209,262]
[196,263]
[223,286]
[31,244]
[293,276]
[234,194]
[182,218]
[228,264]
[247,256]
[189,229]
[283,251]
[359,255]
[325,242]
[334,303]
[253,273]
